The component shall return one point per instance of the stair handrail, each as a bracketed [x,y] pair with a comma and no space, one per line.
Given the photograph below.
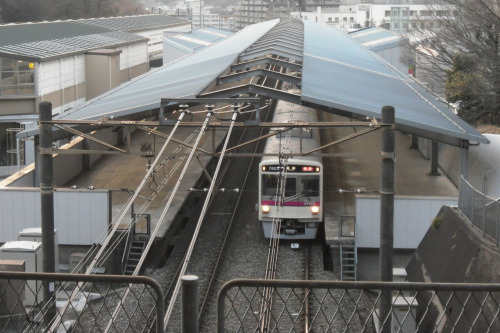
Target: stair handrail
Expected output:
[128,244]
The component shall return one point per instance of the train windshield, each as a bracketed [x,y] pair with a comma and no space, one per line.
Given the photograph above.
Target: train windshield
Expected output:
[310,186]
[270,185]
[298,186]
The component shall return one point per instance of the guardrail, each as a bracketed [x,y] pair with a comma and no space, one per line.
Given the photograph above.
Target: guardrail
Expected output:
[481,210]
[38,302]
[341,306]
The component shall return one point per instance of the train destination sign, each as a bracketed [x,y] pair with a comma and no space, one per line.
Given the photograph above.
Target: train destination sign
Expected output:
[290,168]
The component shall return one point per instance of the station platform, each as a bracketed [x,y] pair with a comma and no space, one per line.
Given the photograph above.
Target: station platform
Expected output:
[356,165]
[124,173]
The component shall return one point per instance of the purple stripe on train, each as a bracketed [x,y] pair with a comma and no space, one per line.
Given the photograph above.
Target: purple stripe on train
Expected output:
[290,203]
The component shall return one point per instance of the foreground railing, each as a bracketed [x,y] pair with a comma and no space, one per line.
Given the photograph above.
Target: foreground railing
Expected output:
[81,303]
[339,306]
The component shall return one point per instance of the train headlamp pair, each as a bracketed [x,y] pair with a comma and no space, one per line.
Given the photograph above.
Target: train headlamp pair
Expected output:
[315,210]
[265,209]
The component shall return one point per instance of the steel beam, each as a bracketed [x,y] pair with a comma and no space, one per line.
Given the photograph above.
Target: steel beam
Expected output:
[258,72]
[266,61]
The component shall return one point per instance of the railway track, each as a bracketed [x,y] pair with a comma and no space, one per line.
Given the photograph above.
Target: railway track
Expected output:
[214,232]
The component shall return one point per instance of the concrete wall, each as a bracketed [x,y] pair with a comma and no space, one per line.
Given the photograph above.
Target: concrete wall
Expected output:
[412,217]
[132,72]
[17,105]
[65,99]
[453,251]
[81,216]
[483,168]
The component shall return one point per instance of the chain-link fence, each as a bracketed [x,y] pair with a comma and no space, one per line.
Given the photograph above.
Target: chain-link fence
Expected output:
[481,210]
[340,306]
[40,302]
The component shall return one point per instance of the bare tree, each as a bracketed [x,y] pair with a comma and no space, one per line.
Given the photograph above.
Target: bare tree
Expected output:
[460,44]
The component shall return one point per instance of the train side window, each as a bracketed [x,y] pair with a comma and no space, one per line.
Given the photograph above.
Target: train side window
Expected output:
[310,185]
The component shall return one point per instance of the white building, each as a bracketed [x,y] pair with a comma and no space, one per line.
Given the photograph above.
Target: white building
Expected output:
[399,18]
[67,63]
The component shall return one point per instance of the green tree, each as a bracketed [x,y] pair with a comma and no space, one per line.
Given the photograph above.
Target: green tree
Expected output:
[463,85]
[465,37]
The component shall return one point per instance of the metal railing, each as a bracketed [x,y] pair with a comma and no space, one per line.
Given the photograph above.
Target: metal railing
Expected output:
[88,302]
[340,306]
[481,210]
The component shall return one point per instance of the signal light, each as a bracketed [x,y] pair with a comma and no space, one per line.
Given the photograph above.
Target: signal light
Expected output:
[307,168]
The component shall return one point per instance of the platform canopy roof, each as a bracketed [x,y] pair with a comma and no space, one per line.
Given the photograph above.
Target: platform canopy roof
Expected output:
[334,72]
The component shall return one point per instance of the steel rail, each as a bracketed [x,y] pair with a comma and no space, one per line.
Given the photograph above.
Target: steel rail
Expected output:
[229,229]
[151,239]
[225,241]
[201,218]
[57,320]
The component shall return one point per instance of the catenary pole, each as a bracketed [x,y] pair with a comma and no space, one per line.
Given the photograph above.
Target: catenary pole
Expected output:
[387,215]
[47,208]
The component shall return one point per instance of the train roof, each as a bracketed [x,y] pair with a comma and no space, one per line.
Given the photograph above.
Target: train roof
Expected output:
[290,142]
[337,74]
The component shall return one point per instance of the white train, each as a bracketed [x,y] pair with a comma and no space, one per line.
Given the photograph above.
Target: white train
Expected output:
[290,202]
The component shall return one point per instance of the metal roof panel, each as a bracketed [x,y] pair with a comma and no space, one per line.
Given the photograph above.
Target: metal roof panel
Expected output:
[339,73]
[182,79]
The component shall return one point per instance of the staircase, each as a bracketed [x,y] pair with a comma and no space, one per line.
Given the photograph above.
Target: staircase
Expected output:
[348,261]
[133,256]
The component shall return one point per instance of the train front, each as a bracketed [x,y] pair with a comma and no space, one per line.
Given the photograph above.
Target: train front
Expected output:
[291,198]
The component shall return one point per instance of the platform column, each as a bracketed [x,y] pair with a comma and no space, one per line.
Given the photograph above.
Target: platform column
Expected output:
[434,159]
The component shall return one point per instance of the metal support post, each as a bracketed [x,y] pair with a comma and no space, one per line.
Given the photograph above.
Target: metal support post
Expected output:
[47,208]
[414,142]
[86,164]
[464,160]
[387,215]
[189,304]
[434,159]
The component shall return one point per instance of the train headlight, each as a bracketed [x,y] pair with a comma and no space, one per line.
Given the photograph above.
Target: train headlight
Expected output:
[265,209]
[315,210]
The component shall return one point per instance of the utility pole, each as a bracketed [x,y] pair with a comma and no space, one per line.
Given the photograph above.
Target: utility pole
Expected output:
[386,255]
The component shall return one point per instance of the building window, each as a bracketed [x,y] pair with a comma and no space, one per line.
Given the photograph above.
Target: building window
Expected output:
[17,77]
[329,20]
[387,13]
[345,19]
[351,19]
[336,20]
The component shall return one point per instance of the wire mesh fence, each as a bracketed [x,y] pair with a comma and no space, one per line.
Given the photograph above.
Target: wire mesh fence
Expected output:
[340,306]
[481,210]
[41,302]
